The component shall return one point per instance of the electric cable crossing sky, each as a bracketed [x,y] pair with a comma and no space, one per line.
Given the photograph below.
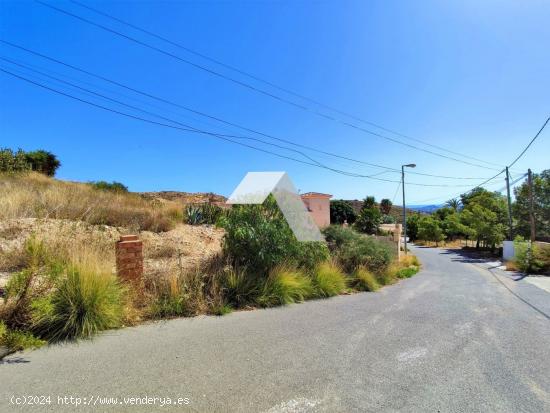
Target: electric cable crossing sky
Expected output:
[256,187]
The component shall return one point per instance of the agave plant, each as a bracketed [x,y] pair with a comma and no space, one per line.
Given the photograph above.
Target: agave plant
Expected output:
[193,215]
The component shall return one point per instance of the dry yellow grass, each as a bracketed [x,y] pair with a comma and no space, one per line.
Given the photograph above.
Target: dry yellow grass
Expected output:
[34,195]
[511,266]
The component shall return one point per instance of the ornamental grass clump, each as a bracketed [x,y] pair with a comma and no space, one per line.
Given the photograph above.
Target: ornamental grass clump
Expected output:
[87,299]
[328,279]
[285,285]
[364,280]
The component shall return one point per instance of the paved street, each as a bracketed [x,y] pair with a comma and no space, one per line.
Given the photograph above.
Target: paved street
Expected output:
[454,338]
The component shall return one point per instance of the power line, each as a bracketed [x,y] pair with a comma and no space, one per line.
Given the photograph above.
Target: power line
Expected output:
[195,130]
[458,195]
[160,99]
[515,160]
[271,84]
[396,191]
[251,87]
[148,112]
[530,143]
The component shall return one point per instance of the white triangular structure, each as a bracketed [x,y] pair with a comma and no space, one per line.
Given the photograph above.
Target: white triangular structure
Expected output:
[256,187]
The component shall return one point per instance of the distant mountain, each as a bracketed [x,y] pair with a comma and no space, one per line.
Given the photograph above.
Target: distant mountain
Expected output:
[428,209]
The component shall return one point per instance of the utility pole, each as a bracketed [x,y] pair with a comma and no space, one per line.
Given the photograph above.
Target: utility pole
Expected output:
[509,204]
[531,204]
[404,209]
[410,165]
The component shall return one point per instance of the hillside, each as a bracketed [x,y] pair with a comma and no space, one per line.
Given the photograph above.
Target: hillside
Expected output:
[184,197]
[70,216]
[396,211]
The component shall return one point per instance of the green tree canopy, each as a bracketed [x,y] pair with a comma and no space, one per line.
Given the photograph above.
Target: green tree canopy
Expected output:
[43,161]
[369,217]
[430,230]
[541,206]
[341,211]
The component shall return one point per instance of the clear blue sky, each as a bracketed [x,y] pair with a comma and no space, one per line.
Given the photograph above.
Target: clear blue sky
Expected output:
[468,75]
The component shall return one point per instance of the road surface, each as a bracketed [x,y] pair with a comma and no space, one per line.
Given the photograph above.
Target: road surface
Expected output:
[454,338]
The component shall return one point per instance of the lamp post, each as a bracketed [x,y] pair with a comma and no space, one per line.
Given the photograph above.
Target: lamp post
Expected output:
[410,165]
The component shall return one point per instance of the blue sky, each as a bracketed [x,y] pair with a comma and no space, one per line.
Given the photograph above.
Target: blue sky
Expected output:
[468,76]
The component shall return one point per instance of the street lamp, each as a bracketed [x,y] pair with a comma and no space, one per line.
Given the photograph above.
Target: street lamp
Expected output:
[410,165]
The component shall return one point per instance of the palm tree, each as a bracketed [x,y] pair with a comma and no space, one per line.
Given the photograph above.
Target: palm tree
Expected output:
[385,206]
[453,203]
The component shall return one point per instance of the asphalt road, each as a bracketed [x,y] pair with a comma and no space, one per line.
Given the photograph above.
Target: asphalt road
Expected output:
[451,339]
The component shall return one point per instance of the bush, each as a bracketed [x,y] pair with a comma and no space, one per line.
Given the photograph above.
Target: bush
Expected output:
[43,162]
[13,162]
[530,258]
[364,280]
[16,340]
[86,300]
[285,286]
[109,186]
[353,250]
[258,238]
[341,211]
[329,280]
[406,272]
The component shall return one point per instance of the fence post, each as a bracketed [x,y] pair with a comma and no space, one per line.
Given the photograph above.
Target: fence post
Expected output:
[129,259]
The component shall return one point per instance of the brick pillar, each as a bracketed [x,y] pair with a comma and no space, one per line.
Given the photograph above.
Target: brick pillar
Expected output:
[129,258]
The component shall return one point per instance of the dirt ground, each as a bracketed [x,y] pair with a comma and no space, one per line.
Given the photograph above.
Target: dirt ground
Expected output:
[183,248]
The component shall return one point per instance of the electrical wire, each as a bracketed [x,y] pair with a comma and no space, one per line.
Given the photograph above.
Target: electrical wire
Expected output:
[266,82]
[251,87]
[199,131]
[531,142]
[396,191]
[194,111]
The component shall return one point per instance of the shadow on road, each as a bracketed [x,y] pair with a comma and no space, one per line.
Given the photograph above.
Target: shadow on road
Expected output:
[14,360]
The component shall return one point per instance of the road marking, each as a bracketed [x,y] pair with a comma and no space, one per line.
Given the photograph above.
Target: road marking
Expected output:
[298,405]
[413,354]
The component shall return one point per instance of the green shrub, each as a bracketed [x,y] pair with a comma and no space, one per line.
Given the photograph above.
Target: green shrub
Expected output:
[285,286]
[84,302]
[353,250]
[406,272]
[11,161]
[364,280]
[341,211]
[222,309]
[258,237]
[16,340]
[329,280]
[529,257]
[337,236]
[109,186]
[43,162]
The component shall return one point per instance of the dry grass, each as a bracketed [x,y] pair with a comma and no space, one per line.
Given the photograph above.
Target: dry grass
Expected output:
[34,195]
[511,266]
[408,260]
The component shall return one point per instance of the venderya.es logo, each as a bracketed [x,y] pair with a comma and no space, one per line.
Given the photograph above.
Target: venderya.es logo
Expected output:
[256,187]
